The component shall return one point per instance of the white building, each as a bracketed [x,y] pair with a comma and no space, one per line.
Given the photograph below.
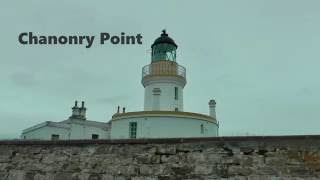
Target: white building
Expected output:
[75,127]
[163,116]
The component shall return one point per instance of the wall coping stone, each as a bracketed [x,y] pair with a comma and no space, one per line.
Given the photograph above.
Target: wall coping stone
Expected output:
[221,139]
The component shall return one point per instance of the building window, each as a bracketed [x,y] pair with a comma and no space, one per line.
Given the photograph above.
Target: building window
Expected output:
[176,93]
[176,109]
[95,136]
[55,137]
[24,137]
[133,130]
[201,129]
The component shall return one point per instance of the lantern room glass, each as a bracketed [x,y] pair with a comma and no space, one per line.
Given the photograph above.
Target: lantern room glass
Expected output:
[164,51]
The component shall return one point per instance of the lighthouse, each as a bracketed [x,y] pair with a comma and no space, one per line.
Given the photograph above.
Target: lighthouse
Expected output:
[164,116]
[163,79]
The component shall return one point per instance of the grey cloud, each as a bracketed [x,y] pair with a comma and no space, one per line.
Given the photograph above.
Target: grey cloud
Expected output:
[114,100]
[23,79]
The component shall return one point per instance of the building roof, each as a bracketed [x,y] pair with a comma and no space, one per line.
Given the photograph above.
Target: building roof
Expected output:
[66,124]
[47,123]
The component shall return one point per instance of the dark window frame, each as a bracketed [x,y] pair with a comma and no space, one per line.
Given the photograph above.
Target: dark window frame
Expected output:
[55,137]
[201,129]
[133,130]
[95,136]
[176,93]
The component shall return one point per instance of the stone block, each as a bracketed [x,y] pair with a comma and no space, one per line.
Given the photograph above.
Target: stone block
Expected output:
[203,169]
[166,149]
[147,158]
[60,176]
[143,178]
[39,177]
[5,158]
[169,159]
[16,175]
[196,157]
[239,170]
[182,169]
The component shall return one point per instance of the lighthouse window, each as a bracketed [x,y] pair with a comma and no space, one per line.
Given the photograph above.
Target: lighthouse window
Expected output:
[133,129]
[176,93]
[164,51]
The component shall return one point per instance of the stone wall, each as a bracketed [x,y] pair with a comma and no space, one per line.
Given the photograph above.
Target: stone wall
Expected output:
[285,157]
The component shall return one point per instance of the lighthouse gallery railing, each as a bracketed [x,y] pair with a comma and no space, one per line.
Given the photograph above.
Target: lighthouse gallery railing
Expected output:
[161,68]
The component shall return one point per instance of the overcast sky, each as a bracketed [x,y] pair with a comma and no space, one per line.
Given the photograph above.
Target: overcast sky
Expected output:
[258,59]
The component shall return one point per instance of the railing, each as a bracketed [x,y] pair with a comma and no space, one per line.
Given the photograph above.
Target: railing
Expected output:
[168,68]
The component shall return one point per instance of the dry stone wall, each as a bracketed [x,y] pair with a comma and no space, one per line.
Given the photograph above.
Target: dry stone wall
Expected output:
[241,158]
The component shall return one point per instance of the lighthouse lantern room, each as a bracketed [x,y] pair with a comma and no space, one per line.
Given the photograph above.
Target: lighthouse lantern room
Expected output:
[164,48]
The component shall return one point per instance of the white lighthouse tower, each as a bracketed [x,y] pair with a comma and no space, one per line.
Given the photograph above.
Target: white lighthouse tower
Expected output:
[163,79]
[163,115]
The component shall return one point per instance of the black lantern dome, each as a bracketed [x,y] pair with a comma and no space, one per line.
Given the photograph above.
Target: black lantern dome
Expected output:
[164,38]
[164,48]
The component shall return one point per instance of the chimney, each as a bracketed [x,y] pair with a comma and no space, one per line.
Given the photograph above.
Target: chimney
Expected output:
[75,110]
[123,110]
[212,108]
[82,104]
[83,111]
[118,110]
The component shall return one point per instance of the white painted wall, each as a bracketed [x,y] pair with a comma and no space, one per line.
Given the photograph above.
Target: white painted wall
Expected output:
[163,127]
[79,131]
[166,98]
[68,131]
[45,132]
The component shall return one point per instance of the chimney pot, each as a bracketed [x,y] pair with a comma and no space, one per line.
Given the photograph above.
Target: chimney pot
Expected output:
[212,102]
[212,108]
